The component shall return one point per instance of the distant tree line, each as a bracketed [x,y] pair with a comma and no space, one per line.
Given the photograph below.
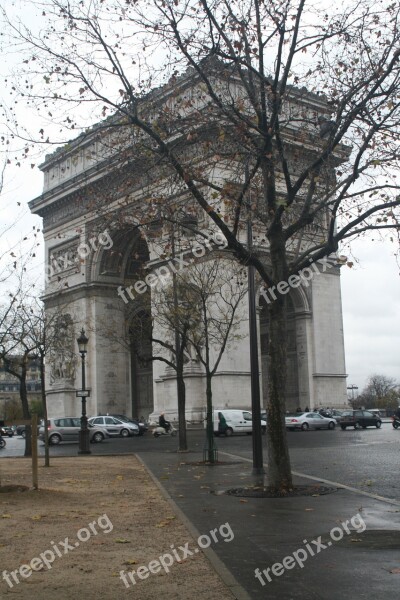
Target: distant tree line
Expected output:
[380,392]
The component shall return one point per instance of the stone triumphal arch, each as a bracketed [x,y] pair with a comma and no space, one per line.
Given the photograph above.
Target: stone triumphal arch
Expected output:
[104,253]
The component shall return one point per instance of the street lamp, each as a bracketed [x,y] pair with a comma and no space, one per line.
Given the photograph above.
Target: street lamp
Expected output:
[352,387]
[258,466]
[83,394]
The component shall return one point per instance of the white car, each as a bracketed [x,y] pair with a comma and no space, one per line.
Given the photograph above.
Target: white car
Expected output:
[237,421]
[306,421]
[115,426]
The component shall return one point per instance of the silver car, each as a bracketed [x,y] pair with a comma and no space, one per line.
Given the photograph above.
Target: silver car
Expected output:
[115,426]
[66,429]
[306,421]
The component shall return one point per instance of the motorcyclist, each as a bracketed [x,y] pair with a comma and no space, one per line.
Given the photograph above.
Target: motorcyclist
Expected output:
[164,423]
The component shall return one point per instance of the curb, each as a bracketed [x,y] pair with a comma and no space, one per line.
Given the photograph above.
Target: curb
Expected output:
[229,580]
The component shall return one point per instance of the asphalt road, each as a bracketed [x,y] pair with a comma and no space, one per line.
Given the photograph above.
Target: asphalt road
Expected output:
[367,460]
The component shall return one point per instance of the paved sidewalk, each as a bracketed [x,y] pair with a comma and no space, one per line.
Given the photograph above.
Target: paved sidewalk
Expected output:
[312,560]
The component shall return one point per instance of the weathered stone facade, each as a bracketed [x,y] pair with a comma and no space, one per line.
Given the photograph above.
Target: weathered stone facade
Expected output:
[93,207]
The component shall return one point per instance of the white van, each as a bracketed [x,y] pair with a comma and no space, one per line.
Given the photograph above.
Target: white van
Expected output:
[238,421]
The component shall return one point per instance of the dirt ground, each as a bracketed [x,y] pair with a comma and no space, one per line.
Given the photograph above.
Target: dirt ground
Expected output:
[114,518]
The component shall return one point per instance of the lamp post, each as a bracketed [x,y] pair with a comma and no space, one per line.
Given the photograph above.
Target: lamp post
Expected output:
[352,387]
[258,467]
[83,394]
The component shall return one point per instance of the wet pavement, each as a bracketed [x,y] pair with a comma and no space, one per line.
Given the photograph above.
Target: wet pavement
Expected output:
[305,548]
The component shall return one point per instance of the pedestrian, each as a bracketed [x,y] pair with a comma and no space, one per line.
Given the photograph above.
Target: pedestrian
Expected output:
[222,426]
[306,409]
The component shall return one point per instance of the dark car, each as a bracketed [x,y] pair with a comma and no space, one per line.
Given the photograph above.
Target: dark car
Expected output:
[21,430]
[5,430]
[359,419]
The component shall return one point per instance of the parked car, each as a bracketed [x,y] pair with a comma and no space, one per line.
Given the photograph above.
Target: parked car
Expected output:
[335,414]
[238,421]
[305,421]
[142,426]
[66,429]
[5,430]
[21,430]
[359,419]
[115,426]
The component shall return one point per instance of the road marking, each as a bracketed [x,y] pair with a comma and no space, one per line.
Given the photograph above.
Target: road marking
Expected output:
[76,544]
[196,550]
[327,481]
[329,543]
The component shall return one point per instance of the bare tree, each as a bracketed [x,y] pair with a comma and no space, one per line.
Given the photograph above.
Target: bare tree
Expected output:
[16,352]
[380,392]
[211,318]
[195,86]
[169,348]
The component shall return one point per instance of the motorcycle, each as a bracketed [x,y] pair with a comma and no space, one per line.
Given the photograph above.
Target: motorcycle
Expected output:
[158,431]
[396,421]
[2,443]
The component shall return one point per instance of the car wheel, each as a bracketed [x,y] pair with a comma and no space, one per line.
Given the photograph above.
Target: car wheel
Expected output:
[357,425]
[54,440]
[229,432]
[331,425]
[98,437]
[395,424]
[378,424]
[173,433]
[124,433]
[304,426]
[23,434]
[156,434]
[343,427]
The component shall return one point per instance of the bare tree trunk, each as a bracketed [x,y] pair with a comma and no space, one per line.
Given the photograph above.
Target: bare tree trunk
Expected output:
[44,402]
[210,423]
[181,407]
[25,409]
[279,469]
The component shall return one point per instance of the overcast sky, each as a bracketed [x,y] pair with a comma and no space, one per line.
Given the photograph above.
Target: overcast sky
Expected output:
[371,313]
